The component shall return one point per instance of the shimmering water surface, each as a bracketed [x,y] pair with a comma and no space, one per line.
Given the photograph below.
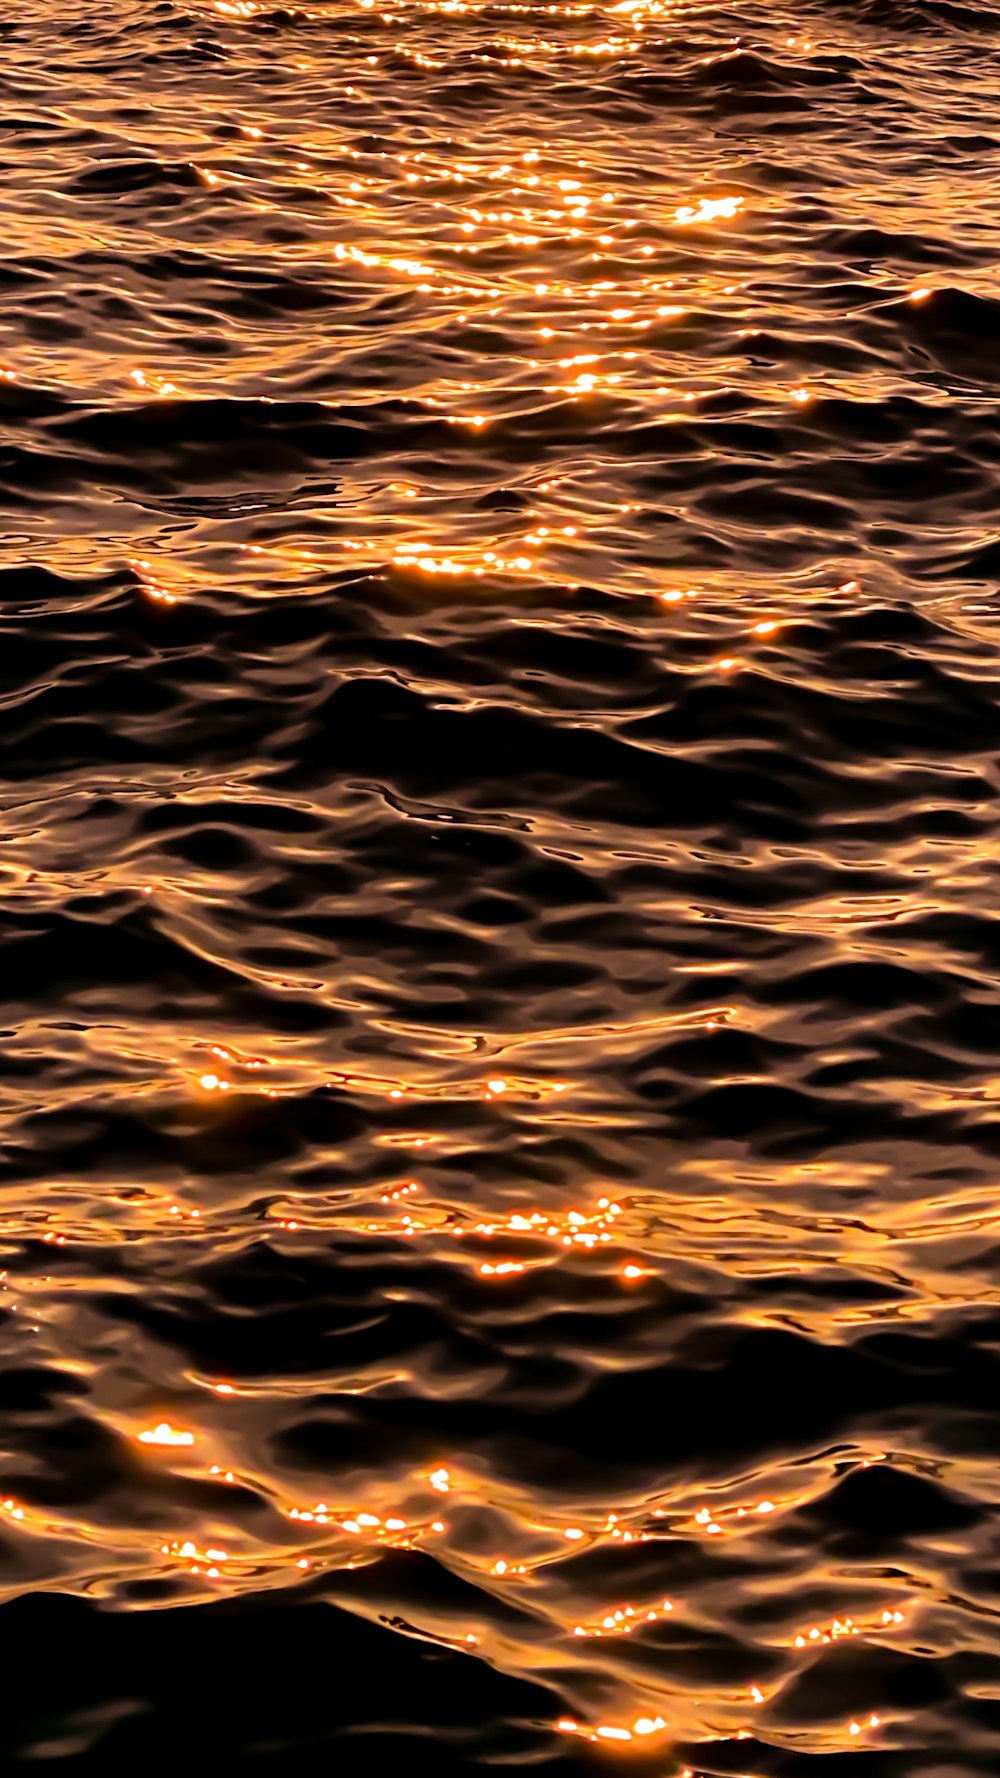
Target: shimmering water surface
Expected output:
[501,1048]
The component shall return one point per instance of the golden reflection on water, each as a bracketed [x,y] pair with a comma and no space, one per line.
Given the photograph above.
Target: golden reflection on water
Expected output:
[526,301]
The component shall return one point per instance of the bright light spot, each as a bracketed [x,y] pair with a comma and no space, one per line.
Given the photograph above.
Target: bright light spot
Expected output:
[709,210]
[165,1434]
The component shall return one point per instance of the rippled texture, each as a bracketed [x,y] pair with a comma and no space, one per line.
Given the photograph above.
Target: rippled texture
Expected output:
[499,850]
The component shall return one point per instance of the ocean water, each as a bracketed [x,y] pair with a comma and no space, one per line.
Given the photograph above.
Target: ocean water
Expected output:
[500,862]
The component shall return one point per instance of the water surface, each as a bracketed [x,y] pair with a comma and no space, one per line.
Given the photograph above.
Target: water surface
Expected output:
[499,831]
